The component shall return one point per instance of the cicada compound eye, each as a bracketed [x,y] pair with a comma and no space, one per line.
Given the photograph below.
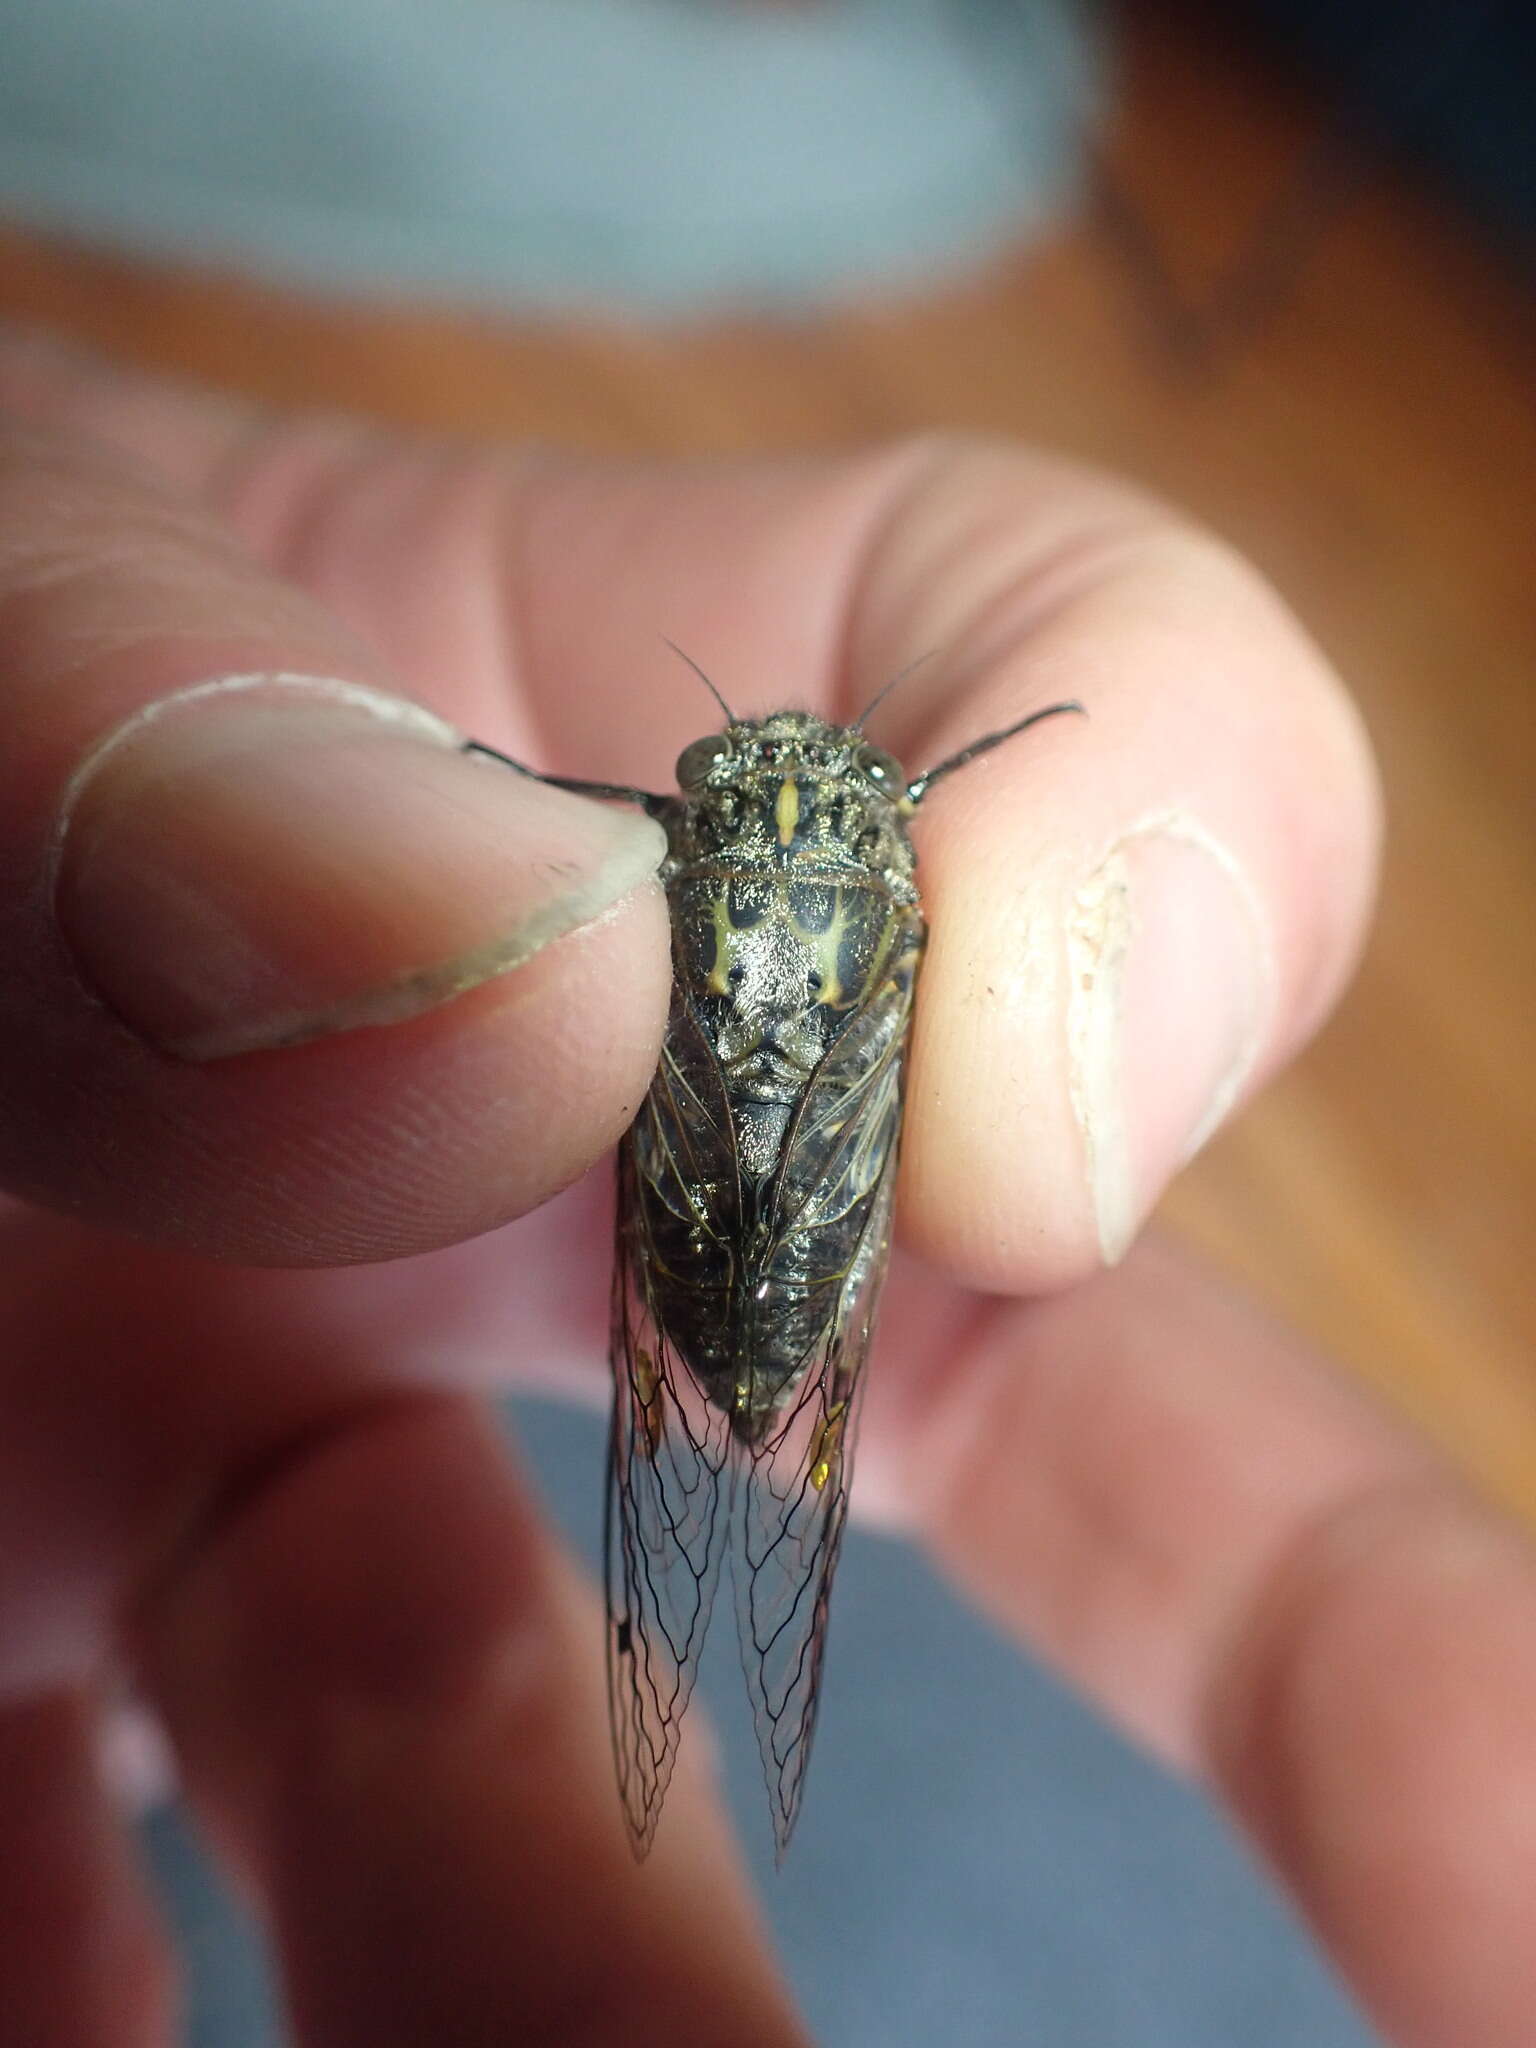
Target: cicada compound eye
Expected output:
[882,769]
[699,757]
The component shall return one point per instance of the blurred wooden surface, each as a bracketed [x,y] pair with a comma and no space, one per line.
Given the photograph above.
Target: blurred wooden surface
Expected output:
[1373,447]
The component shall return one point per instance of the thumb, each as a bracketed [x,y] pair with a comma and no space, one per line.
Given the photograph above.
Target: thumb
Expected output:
[289,977]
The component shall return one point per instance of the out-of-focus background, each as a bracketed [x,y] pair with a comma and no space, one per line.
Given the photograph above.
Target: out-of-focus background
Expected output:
[1273,263]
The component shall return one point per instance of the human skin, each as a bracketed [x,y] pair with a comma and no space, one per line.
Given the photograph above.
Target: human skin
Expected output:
[293,990]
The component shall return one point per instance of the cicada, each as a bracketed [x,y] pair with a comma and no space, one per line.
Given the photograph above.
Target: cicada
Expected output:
[753,1220]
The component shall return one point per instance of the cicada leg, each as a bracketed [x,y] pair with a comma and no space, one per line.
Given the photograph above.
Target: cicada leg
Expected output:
[608,792]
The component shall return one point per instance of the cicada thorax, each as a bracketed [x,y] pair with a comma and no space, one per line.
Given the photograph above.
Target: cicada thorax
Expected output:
[796,939]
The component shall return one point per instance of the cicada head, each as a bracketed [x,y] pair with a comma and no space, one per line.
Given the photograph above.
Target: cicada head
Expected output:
[793,790]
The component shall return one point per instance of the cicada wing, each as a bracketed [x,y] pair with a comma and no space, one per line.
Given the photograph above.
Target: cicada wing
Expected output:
[832,1219]
[668,1506]
[792,1504]
[666,1528]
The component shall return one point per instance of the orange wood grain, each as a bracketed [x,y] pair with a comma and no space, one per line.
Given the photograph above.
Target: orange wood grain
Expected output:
[1373,447]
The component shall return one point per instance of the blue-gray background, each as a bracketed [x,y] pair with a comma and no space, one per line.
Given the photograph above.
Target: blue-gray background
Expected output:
[979,1862]
[664,155]
[659,155]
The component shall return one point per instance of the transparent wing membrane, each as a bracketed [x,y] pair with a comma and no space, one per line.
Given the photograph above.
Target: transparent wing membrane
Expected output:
[666,1520]
[788,1529]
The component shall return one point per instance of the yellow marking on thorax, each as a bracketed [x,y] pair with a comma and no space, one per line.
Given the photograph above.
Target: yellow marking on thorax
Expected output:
[829,953]
[786,812]
[725,943]
[827,947]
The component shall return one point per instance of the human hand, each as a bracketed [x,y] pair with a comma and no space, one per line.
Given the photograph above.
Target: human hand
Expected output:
[274,1491]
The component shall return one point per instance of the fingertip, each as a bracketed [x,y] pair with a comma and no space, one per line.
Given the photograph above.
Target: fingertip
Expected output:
[390,1140]
[1135,917]
[994,1172]
[262,860]
[289,975]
